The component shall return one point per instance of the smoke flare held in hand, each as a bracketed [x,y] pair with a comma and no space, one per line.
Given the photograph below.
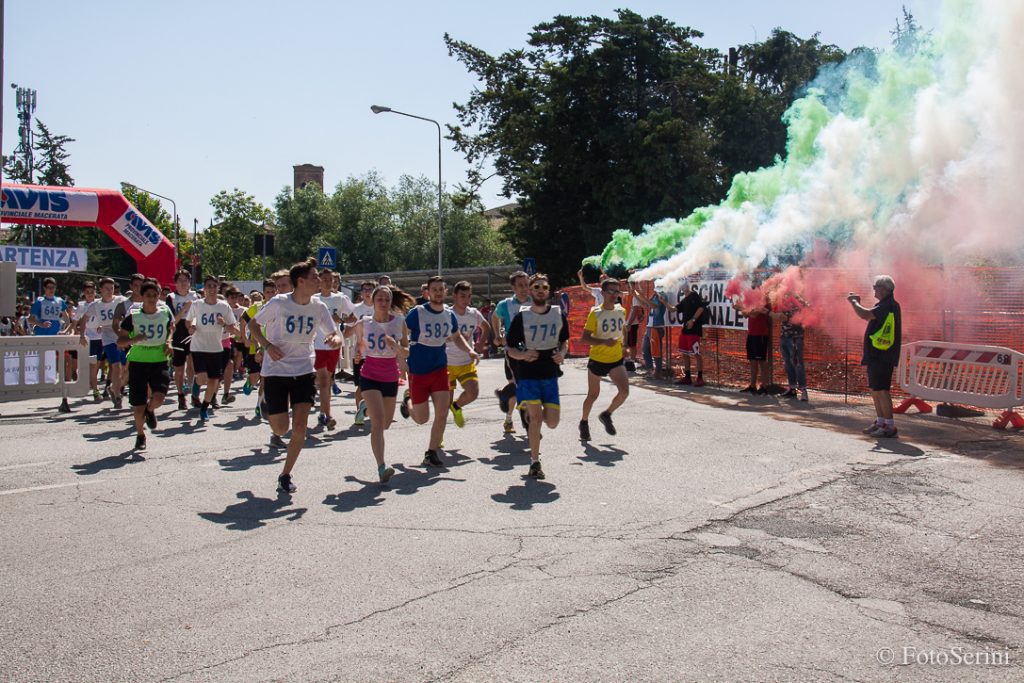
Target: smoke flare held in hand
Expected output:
[895,161]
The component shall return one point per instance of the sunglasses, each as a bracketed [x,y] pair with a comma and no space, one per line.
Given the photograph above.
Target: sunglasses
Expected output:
[540,286]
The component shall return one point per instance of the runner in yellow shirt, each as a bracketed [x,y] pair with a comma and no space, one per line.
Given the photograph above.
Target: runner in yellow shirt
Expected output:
[605,331]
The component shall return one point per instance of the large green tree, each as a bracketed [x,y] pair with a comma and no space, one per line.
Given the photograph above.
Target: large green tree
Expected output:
[228,246]
[605,123]
[377,229]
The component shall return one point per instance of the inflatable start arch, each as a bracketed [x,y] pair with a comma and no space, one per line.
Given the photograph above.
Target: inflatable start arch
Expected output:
[89,208]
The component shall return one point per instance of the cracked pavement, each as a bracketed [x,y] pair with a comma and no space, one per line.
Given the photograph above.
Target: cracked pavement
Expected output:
[714,538]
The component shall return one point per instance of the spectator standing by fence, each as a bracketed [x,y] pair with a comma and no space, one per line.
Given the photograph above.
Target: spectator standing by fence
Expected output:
[656,306]
[882,339]
[692,310]
[791,348]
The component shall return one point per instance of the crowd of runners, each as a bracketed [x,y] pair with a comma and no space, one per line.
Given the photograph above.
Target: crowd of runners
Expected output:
[284,344]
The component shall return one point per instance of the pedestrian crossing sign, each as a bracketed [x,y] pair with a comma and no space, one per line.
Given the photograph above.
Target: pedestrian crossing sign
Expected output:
[328,257]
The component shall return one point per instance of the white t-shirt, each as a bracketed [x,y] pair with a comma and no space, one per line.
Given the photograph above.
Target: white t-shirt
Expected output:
[291,327]
[339,305]
[103,315]
[361,309]
[597,294]
[92,325]
[209,331]
[469,323]
[177,301]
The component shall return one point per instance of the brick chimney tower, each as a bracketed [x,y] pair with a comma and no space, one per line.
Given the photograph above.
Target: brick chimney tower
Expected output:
[306,174]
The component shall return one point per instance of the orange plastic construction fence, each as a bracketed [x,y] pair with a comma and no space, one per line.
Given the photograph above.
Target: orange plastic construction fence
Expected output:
[954,304]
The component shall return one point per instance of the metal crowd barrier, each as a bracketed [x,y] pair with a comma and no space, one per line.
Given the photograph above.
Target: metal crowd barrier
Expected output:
[968,374]
[33,367]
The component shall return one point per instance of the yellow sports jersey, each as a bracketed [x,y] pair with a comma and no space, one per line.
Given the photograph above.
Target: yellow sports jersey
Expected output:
[606,324]
[250,313]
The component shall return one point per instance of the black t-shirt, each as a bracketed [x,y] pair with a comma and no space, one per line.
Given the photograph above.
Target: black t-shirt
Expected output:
[881,311]
[542,368]
[687,308]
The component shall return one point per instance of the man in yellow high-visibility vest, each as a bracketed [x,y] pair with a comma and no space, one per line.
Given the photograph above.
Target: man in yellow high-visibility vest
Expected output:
[882,340]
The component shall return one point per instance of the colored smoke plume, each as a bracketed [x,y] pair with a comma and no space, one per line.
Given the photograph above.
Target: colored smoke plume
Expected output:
[895,162]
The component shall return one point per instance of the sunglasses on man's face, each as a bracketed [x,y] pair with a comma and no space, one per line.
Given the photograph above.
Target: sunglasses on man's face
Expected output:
[544,287]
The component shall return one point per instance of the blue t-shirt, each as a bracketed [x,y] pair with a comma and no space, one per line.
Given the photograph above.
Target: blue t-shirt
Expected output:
[48,309]
[428,332]
[657,311]
[508,309]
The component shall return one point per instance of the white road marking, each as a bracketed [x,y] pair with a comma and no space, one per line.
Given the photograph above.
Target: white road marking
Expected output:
[49,486]
[25,464]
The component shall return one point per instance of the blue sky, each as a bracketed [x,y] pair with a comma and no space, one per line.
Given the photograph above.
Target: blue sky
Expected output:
[188,98]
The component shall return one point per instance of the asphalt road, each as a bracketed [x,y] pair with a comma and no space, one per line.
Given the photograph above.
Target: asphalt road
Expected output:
[715,538]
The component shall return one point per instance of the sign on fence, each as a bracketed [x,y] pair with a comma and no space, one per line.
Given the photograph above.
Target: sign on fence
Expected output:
[723,315]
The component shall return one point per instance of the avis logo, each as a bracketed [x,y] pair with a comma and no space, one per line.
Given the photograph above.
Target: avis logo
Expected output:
[140,226]
[17,199]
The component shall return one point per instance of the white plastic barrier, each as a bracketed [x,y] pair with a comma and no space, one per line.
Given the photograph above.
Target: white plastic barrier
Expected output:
[33,367]
[967,374]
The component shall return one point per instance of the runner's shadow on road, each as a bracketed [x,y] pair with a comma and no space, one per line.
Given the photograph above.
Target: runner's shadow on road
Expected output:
[111,462]
[897,448]
[525,497]
[253,512]
[511,454]
[409,480]
[257,458]
[111,434]
[370,495]
[607,456]
[240,422]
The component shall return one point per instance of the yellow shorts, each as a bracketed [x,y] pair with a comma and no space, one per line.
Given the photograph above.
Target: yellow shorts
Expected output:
[463,374]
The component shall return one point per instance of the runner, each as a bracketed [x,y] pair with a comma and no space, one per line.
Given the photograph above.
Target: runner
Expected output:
[290,321]
[228,342]
[537,339]
[326,362]
[147,330]
[209,318]
[179,302]
[382,340]
[604,331]
[431,326]
[89,333]
[101,314]
[461,368]
[361,310]
[49,312]
[271,288]
[504,312]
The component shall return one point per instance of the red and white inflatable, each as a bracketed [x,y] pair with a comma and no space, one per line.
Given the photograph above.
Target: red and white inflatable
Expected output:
[105,209]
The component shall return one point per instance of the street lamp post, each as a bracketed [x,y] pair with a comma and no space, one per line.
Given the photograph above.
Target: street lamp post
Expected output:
[177,244]
[376,109]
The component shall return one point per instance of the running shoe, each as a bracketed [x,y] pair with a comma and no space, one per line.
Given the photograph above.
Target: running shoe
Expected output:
[151,419]
[186,388]
[118,401]
[228,398]
[247,388]
[335,389]
[330,422]
[761,391]
[749,389]
[106,392]
[285,485]
[361,414]
[605,419]
[584,430]
[535,470]
[385,473]
[887,433]
[509,427]
[872,428]
[502,399]
[803,395]
[96,395]
[431,459]
[460,419]
[204,413]
[259,413]
[214,404]
[181,402]
[277,442]
[140,442]
[789,393]
[404,408]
